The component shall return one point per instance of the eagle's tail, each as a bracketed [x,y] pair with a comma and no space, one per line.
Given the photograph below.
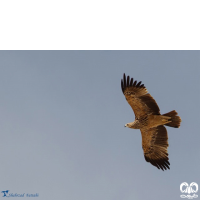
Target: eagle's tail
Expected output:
[175,120]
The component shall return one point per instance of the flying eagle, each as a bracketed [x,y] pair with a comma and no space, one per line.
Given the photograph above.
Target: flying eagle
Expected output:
[150,122]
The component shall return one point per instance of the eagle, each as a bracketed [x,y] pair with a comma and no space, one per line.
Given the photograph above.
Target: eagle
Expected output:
[150,122]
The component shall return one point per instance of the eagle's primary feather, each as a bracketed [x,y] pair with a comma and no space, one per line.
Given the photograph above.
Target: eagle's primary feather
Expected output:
[150,122]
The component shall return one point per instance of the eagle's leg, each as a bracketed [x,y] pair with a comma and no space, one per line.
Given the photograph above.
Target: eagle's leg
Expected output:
[157,120]
[166,120]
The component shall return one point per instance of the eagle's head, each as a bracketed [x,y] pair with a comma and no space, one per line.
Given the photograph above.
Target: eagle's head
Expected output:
[134,125]
[127,125]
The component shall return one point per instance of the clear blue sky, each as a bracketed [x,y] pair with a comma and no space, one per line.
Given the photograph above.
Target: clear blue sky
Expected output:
[62,116]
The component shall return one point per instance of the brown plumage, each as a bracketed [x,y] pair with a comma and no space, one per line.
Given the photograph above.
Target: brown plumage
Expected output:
[150,122]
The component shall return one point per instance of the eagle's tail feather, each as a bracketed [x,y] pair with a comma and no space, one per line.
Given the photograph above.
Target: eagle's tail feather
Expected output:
[175,120]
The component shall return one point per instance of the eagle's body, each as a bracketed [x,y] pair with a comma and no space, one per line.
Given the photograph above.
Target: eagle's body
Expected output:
[150,122]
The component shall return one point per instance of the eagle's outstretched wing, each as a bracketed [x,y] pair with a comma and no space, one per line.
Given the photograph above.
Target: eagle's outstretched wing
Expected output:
[154,144]
[138,97]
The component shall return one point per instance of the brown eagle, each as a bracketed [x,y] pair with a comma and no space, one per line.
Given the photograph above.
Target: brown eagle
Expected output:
[150,122]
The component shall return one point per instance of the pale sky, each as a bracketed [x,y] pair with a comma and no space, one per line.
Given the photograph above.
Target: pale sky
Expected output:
[62,116]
